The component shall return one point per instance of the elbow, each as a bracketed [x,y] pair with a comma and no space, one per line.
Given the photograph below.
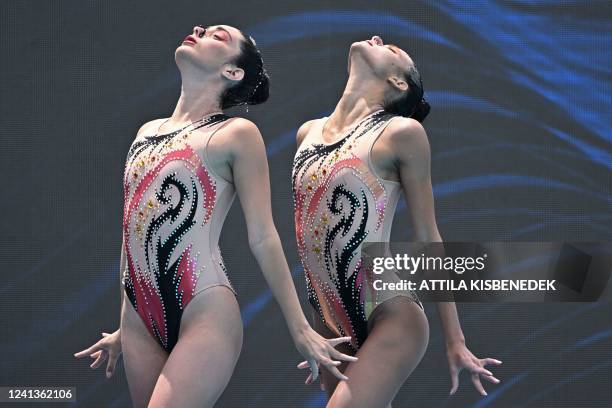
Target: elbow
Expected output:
[261,241]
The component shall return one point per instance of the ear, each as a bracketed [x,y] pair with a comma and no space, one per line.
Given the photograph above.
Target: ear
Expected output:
[398,83]
[232,72]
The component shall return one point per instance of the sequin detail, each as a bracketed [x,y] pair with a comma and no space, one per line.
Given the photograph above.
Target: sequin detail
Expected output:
[339,204]
[173,211]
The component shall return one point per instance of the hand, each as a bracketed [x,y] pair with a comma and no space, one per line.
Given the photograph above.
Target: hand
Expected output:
[107,347]
[459,357]
[318,350]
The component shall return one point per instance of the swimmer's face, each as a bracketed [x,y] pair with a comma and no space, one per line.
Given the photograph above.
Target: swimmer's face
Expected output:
[210,48]
[383,60]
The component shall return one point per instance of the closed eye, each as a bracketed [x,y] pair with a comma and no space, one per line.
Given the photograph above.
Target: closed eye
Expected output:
[219,37]
[219,33]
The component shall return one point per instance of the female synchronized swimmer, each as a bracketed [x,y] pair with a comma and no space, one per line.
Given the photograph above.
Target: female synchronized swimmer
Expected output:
[181,330]
[348,173]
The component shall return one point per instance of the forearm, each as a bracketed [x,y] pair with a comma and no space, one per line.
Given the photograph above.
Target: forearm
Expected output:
[450,322]
[447,310]
[269,254]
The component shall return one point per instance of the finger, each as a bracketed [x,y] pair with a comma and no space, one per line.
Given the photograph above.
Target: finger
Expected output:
[490,378]
[96,363]
[329,363]
[110,368]
[339,340]
[491,361]
[341,356]
[101,358]
[87,351]
[105,334]
[454,380]
[96,354]
[476,369]
[303,364]
[337,373]
[314,367]
[478,384]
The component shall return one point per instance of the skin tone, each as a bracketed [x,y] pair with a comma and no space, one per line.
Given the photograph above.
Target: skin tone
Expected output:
[398,330]
[237,154]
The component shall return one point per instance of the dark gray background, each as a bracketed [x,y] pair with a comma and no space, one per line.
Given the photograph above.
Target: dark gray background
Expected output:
[521,150]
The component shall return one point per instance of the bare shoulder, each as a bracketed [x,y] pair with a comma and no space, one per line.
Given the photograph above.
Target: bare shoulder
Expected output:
[303,131]
[241,128]
[150,126]
[242,135]
[407,137]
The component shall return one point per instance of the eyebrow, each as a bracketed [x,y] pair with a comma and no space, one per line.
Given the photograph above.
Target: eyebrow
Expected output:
[396,47]
[399,50]
[220,28]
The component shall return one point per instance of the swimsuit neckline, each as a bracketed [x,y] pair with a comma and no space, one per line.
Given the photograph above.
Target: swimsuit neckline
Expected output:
[177,131]
[348,132]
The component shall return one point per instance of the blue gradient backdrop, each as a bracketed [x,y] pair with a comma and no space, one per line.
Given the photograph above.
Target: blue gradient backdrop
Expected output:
[521,150]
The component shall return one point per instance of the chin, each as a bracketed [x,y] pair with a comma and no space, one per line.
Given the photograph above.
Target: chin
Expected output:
[183,55]
[184,51]
[359,44]
[358,47]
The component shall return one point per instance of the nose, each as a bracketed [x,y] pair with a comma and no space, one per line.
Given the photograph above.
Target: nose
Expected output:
[377,40]
[197,30]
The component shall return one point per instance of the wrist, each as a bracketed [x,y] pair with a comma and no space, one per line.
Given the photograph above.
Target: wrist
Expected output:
[455,341]
[298,327]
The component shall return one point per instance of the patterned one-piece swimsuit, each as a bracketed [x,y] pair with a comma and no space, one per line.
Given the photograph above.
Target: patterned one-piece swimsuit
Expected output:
[174,209]
[340,203]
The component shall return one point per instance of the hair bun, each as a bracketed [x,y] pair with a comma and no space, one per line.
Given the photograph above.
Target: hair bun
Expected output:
[421,111]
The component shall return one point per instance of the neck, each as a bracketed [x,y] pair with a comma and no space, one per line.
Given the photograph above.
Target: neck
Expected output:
[199,97]
[361,97]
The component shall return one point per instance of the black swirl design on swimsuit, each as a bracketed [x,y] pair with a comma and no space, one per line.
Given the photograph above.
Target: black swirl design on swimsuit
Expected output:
[312,154]
[309,156]
[165,273]
[339,261]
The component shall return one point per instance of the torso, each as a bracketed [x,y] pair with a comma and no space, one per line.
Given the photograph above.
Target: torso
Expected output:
[174,207]
[341,201]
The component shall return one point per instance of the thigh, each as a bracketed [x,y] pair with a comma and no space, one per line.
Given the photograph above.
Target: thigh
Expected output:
[394,347]
[143,357]
[202,361]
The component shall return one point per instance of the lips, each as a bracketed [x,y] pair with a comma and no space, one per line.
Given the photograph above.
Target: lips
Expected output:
[189,39]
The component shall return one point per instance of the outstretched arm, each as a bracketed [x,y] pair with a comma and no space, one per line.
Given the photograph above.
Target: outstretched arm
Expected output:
[251,178]
[414,164]
[411,145]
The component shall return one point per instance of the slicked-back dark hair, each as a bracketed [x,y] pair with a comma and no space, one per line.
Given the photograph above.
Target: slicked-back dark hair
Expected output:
[411,104]
[254,87]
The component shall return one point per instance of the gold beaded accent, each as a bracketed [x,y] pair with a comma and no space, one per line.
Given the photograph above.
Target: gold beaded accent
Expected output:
[339,203]
[171,197]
